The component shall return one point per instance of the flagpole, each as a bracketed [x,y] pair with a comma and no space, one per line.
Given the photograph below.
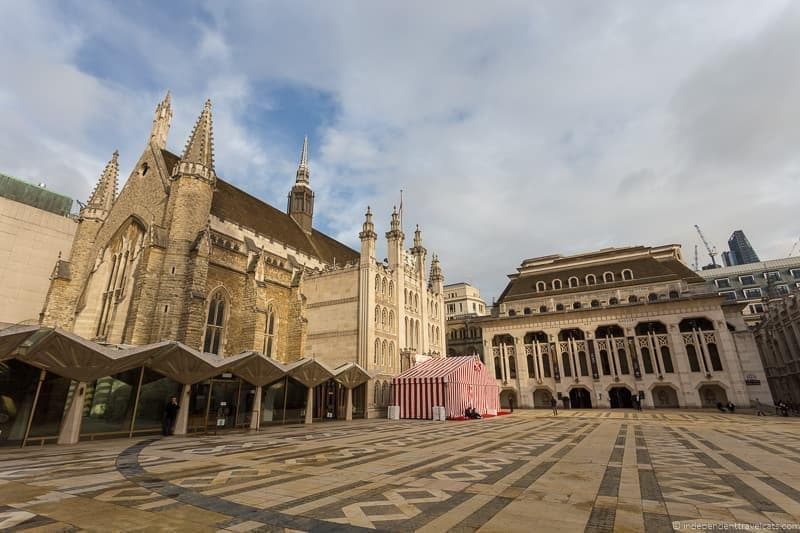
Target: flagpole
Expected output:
[401,209]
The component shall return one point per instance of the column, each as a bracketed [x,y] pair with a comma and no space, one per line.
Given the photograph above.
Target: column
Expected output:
[309,406]
[537,359]
[702,348]
[182,422]
[349,405]
[70,430]
[504,360]
[255,417]
[657,352]
[613,353]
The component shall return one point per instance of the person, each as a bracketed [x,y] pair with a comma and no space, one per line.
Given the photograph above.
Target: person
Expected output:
[720,407]
[511,403]
[759,409]
[784,408]
[731,407]
[170,415]
[638,403]
[554,405]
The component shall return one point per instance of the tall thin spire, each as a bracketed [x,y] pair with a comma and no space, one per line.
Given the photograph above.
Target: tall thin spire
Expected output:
[105,192]
[303,173]
[198,156]
[161,122]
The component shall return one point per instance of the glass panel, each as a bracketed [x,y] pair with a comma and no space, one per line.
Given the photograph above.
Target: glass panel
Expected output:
[604,363]
[108,403]
[565,364]
[691,353]
[713,353]
[546,366]
[359,405]
[224,404]
[272,401]
[17,388]
[53,402]
[296,397]
[512,367]
[247,396]
[667,358]
[647,361]
[582,363]
[623,362]
[198,402]
[156,392]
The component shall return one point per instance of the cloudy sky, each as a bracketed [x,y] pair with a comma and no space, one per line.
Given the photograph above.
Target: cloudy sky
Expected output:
[516,129]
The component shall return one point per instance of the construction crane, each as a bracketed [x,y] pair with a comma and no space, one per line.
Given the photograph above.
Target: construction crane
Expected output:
[794,247]
[696,260]
[712,251]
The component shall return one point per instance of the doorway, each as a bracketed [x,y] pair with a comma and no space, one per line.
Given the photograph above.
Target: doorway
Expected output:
[579,398]
[620,397]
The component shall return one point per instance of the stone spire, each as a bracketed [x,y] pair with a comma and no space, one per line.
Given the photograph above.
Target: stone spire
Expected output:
[436,270]
[198,156]
[417,238]
[161,122]
[368,236]
[395,224]
[105,192]
[302,169]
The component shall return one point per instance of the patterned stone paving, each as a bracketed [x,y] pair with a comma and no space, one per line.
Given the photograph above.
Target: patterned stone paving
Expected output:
[592,471]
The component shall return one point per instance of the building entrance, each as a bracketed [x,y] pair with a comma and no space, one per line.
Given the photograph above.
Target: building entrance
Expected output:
[579,398]
[620,397]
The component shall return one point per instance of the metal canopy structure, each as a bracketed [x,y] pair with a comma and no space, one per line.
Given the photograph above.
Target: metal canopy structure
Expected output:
[68,355]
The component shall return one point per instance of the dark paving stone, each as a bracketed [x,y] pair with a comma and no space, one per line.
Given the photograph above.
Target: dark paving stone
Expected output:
[750,494]
[657,523]
[648,486]
[609,486]
[601,520]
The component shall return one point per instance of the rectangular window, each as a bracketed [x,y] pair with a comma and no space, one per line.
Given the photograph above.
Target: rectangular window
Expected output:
[723,283]
[747,280]
[772,276]
[750,294]
[782,289]
[757,308]
[729,295]
[795,272]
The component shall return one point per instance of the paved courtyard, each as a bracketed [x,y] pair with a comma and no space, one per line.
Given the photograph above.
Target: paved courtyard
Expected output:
[582,471]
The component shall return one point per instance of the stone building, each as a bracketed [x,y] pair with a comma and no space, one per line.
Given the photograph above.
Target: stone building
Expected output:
[778,338]
[182,255]
[463,303]
[463,299]
[596,329]
[35,227]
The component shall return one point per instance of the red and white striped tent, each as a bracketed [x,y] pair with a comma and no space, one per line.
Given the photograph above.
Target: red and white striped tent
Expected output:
[453,382]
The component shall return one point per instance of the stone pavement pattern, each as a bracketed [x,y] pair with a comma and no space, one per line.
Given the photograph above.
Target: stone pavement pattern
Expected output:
[582,471]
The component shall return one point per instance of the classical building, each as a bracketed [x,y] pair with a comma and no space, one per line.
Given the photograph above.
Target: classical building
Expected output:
[595,329]
[752,283]
[181,255]
[35,230]
[463,304]
[463,300]
[778,338]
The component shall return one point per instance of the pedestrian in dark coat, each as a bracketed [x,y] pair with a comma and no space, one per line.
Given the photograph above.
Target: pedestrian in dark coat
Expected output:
[170,415]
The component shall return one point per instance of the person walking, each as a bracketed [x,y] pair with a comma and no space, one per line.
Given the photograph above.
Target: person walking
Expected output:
[759,409]
[170,415]
[554,405]
[511,403]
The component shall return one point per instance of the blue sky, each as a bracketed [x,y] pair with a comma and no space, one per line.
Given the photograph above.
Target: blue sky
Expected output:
[516,129]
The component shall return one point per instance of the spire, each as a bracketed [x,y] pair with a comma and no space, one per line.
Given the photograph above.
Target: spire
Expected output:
[198,156]
[302,169]
[368,228]
[417,238]
[105,192]
[161,122]
[395,224]
[436,270]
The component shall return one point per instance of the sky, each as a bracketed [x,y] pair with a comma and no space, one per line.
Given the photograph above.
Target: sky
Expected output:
[515,129]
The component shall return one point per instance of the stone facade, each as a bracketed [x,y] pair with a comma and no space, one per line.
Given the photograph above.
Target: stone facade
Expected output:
[596,329]
[180,254]
[778,339]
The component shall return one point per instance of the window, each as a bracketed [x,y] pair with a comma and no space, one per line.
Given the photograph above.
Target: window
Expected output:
[123,253]
[542,308]
[565,364]
[497,370]
[667,358]
[511,312]
[530,362]
[391,289]
[377,351]
[556,284]
[512,367]
[623,362]
[595,303]
[613,301]
[652,297]
[591,279]
[691,353]
[576,305]
[647,361]
[573,282]
[747,280]
[772,276]
[377,284]
[269,332]
[723,283]
[757,308]
[750,294]
[559,307]
[605,366]
[674,295]
[795,272]
[627,274]
[713,354]
[582,362]
[527,311]
[541,286]
[729,295]
[782,289]
[215,323]
[608,277]
[546,366]
[632,299]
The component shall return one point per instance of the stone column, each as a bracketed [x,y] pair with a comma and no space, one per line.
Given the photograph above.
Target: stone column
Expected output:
[657,352]
[255,417]
[309,406]
[182,422]
[70,430]
[349,405]
[613,353]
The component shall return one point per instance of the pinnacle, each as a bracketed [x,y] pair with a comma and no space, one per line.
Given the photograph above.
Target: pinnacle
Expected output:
[200,146]
[302,176]
[105,191]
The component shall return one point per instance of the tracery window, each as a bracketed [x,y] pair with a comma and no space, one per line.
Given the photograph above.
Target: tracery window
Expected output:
[123,251]
[215,322]
[269,331]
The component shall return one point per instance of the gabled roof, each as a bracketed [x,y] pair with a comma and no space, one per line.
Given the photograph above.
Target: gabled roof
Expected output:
[439,368]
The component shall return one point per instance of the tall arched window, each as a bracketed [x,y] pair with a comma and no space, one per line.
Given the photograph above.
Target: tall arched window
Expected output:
[215,322]
[270,330]
[713,354]
[583,364]
[384,352]
[376,393]
[573,282]
[647,361]
[627,274]
[512,367]
[391,320]
[556,284]
[383,287]
[391,289]
[541,286]
[391,354]
[407,334]
[566,365]
[384,318]
[377,284]
[667,358]
[377,315]
[608,277]
[546,366]
[591,279]
[416,335]
[604,363]
[623,362]
[530,362]
[498,372]
[691,353]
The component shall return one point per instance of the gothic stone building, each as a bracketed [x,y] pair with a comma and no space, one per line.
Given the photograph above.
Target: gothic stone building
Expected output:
[596,329]
[181,254]
[778,338]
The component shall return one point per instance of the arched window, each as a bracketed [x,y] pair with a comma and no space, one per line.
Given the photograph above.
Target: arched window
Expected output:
[377,284]
[416,335]
[408,335]
[613,301]
[573,282]
[595,303]
[405,297]
[512,367]
[438,333]
[376,393]
[546,366]
[713,354]
[566,365]
[559,307]
[498,372]
[416,302]
[377,351]
[541,286]
[391,354]
[270,329]
[215,322]
[527,310]
[391,289]
[632,299]
[583,364]
[652,297]
[384,318]
[604,363]
[608,277]
[512,312]
[691,353]
[531,364]
[647,361]
[391,321]
[377,315]
[627,274]
[591,279]
[556,284]
[667,358]
[542,308]
[576,305]
[384,352]
[623,362]
[674,295]
[383,287]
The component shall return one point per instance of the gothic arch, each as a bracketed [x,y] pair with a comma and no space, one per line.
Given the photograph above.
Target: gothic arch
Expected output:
[217,314]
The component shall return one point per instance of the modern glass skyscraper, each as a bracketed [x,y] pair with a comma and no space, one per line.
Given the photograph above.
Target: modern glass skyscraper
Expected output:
[742,251]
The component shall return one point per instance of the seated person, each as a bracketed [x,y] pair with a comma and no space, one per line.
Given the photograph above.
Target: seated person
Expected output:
[731,407]
[720,407]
